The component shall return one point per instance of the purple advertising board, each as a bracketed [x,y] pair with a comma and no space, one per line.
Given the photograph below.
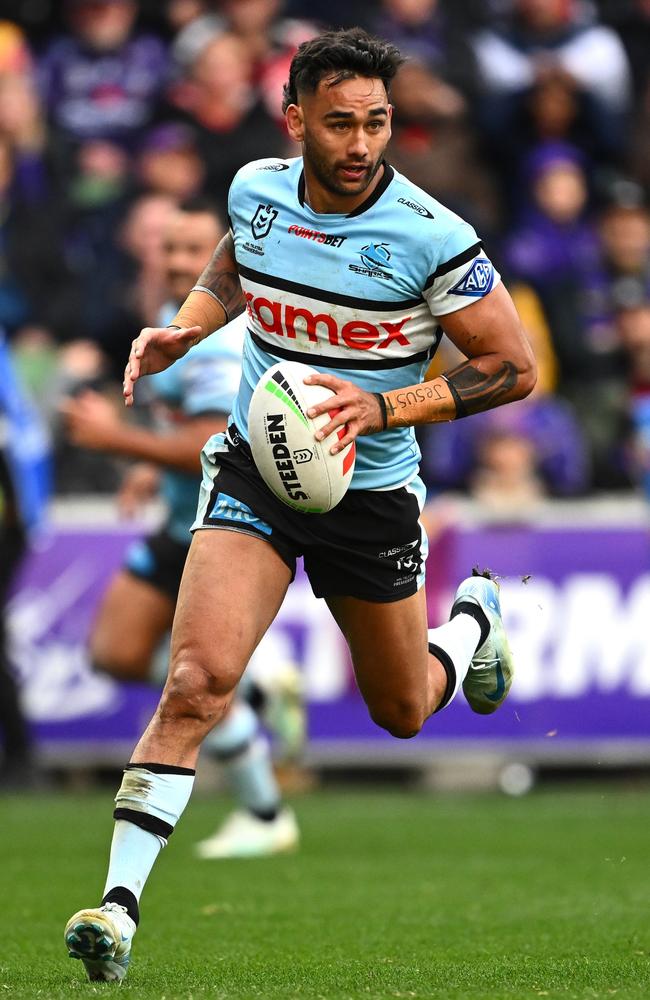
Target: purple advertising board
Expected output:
[577,604]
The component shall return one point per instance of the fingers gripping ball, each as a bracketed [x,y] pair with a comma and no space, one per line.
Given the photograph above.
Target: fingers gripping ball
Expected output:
[297,468]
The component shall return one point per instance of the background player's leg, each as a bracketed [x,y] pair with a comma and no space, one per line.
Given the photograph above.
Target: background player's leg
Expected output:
[261,825]
[401,680]
[132,621]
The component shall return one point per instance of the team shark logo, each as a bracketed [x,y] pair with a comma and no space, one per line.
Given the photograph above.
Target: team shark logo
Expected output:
[265,216]
[376,256]
[476,282]
[376,260]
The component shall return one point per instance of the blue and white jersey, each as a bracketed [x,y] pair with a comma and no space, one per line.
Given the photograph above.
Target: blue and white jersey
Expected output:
[356,295]
[204,381]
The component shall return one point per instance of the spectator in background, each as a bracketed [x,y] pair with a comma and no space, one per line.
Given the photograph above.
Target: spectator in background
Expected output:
[421,30]
[169,163]
[555,250]
[432,139]
[15,57]
[35,285]
[547,71]
[232,125]
[631,20]
[180,13]
[22,125]
[633,321]
[625,237]
[505,480]
[142,239]
[270,41]
[535,449]
[102,80]
[97,197]
[81,366]
[115,247]
[24,490]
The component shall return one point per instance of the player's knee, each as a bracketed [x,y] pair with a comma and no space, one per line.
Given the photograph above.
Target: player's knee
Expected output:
[402,719]
[194,693]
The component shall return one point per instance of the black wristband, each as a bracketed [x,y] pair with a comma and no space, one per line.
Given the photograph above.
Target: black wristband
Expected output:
[379,396]
[172,326]
[461,409]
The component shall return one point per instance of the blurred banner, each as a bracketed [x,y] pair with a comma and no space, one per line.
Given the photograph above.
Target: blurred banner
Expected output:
[577,608]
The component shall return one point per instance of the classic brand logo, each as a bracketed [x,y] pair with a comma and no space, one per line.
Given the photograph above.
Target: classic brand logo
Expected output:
[477,281]
[288,321]
[265,216]
[274,166]
[376,258]
[417,207]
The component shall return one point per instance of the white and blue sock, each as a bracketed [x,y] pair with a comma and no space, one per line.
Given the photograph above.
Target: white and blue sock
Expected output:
[244,752]
[149,803]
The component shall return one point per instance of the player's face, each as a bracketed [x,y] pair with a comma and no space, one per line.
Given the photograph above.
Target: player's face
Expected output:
[190,239]
[344,130]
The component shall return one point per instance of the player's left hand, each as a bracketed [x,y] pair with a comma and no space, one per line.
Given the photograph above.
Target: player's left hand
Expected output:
[350,406]
[92,421]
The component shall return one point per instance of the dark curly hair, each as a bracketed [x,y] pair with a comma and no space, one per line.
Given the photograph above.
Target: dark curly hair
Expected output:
[345,53]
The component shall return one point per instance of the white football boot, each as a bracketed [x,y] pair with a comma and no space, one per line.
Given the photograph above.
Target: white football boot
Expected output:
[243,835]
[101,938]
[490,674]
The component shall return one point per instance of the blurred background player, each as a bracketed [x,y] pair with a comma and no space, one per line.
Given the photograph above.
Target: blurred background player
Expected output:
[129,637]
[24,490]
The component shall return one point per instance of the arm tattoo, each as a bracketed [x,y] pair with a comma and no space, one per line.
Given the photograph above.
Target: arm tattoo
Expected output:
[220,276]
[476,391]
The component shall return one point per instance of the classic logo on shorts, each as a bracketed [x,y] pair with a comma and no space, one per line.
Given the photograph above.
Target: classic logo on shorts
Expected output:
[265,216]
[476,282]
[376,258]
[407,559]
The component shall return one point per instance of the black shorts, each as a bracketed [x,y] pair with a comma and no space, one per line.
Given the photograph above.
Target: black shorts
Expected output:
[370,546]
[159,561]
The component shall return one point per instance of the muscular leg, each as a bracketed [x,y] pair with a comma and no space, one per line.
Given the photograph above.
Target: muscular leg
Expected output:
[232,588]
[405,671]
[401,682]
[132,620]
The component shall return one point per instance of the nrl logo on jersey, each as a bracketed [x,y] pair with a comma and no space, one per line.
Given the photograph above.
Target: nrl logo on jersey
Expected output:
[376,258]
[265,216]
[476,282]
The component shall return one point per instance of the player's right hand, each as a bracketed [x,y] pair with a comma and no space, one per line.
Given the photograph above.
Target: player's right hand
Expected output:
[154,350]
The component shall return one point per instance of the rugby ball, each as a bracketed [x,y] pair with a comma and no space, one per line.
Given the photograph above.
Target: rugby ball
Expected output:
[295,466]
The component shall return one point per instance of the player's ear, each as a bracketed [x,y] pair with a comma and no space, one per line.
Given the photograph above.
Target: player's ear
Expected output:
[295,122]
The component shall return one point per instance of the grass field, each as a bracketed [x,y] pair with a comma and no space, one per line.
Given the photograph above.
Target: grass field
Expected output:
[392,895]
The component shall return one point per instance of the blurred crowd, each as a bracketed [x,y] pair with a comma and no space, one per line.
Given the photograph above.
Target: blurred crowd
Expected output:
[530,118]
